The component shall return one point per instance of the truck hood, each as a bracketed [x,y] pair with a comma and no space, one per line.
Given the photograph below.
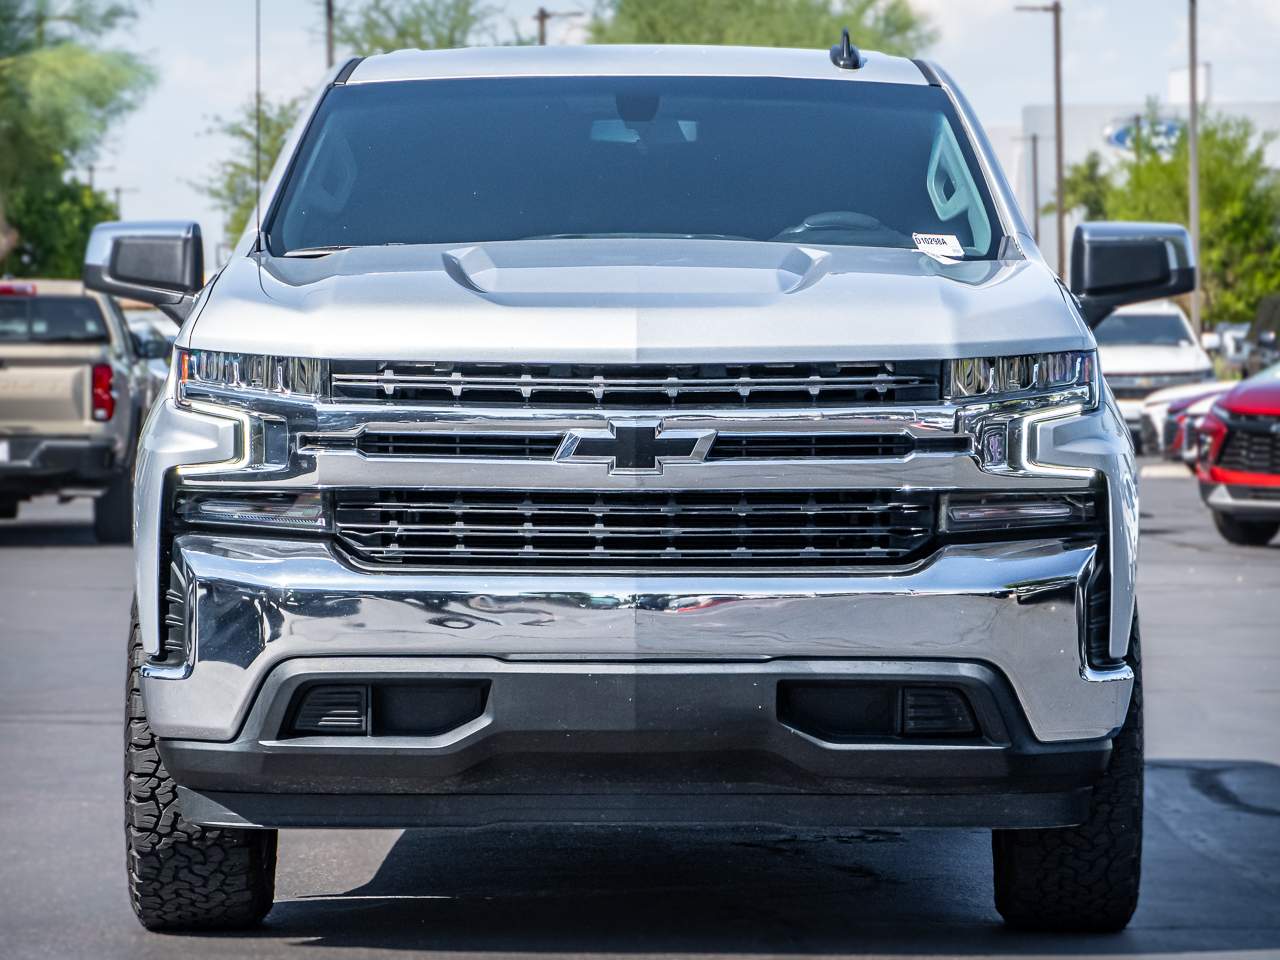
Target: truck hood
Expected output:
[633,300]
[1128,359]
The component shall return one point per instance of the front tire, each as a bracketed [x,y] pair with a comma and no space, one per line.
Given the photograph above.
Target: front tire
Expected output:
[113,512]
[1245,533]
[1082,879]
[183,876]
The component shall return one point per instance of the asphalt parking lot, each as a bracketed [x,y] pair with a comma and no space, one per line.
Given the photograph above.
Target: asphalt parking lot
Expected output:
[1211,629]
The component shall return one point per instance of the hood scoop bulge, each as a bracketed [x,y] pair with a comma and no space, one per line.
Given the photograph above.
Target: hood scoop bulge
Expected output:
[639,272]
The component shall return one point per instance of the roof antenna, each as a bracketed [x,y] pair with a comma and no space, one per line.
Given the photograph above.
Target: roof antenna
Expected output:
[257,123]
[845,55]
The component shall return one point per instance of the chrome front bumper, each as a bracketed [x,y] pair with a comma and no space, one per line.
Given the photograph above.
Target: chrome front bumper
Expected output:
[253,605]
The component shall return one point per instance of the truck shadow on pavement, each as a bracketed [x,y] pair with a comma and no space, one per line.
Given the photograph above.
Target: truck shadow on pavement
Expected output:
[1211,884]
[46,531]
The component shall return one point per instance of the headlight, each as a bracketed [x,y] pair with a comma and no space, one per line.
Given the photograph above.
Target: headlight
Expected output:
[1030,380]
[1003,398]
[301,377]
[290,511]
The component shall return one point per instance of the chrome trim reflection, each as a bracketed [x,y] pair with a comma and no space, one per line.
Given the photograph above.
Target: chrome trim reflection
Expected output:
[258,603]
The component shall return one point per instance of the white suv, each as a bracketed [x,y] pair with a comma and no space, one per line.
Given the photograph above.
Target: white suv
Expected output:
[1147,347]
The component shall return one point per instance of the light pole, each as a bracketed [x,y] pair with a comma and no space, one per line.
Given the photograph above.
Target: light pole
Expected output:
[543,15]
[1193,164]
[1055,8]
[1034,140]
[328,32]
[119,193]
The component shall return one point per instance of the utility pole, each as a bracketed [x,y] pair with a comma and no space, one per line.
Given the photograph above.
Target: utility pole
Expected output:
[1035,184]
[543,15]
[1055,8]
[1193,163]
[328,33]
[119,193]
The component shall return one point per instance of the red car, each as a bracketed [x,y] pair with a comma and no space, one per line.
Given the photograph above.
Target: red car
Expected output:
[1238,461]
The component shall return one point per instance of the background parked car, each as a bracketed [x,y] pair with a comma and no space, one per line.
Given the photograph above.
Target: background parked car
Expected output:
[1227,341]
[1144,348]
[153,335]
[1188,417]
[1158,428]
[72,394]
[1238,461]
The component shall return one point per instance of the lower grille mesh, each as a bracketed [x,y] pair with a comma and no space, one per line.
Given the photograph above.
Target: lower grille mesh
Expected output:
[1251,452]
[633,529]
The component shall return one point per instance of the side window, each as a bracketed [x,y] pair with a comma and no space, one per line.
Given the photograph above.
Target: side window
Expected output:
[328,177]
[953,191]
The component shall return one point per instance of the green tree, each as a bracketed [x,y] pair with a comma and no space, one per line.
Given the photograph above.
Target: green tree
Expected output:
[233,185]
[890,26]
[59,93]
[366,28]
[377,26]
[53,218]
[1084,187]
[1239,208]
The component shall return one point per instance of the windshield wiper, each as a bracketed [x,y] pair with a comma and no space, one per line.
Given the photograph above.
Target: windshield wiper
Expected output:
[316,251]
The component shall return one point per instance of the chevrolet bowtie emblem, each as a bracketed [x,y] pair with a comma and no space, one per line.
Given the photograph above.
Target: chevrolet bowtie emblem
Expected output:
[635,446]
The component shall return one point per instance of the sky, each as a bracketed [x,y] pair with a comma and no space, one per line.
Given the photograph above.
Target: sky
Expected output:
[1115,51]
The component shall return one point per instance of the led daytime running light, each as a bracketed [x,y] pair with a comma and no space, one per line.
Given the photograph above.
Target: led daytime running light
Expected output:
[995,378]
[291,376]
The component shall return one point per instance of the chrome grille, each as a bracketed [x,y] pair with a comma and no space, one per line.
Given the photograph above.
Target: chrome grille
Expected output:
[830,446]
[1138,386]
[637,386]
[471,445]
[633,530]
[727,446]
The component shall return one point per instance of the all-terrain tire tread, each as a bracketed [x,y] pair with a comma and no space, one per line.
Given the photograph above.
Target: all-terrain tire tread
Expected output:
[183,876]
[1082,879]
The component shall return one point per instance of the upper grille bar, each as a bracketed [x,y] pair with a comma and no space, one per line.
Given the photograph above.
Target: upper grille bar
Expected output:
[637,386]
[726,446]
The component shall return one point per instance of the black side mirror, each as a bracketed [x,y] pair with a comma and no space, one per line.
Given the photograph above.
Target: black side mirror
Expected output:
[153,347]
[1117,263]
[160,263]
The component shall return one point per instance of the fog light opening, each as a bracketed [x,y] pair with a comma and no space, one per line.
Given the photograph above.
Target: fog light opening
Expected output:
[936,712]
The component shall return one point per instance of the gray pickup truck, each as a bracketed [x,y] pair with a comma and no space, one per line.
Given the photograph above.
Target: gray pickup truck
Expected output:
[636,434]
[73,395]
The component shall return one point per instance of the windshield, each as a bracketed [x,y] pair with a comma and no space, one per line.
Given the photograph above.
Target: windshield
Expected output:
[51,320]
[465,161]
[1163,329]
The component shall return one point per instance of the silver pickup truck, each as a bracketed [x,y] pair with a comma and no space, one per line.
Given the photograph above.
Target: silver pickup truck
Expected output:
[636,434]
[73,395]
